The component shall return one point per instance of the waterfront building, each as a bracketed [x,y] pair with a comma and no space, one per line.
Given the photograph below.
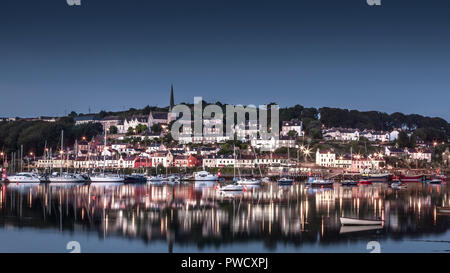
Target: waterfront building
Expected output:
[419,154]
[325,158]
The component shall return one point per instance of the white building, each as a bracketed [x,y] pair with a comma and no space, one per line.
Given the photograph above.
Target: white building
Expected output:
[372,135]
[132,123]
[293,125]
[416,154]
[325,158]
[342,134]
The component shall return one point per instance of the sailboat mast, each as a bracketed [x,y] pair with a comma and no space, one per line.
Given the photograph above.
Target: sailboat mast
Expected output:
[104,154]
[62,153]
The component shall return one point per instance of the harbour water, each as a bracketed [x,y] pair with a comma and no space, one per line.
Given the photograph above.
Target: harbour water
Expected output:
[196,217]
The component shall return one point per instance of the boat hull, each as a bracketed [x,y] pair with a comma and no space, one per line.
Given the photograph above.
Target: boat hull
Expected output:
[16,180]
[106,179]
[411,178]
[365,182]
[349,183]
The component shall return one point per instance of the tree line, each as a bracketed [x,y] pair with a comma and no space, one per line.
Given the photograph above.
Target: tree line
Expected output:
[35,135]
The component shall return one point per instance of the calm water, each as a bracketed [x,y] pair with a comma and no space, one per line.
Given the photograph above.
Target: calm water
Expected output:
[198,218]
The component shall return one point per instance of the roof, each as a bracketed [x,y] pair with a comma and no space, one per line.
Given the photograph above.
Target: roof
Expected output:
[85,118]
[159,115]
[111,118]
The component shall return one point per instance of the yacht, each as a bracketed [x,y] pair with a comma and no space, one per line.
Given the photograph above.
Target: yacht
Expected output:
[65,177]
[135,178]
[156,178]
[205,176]
[24,177]
[318,182]
[62,177]
[104,177]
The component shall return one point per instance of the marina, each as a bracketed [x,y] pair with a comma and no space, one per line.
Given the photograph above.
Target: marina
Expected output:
[204,215]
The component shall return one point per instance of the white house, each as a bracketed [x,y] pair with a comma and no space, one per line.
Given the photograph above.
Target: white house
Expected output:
[292,125]
[393,135]
[416,154]
[342,134]
[325,158]
[132,123]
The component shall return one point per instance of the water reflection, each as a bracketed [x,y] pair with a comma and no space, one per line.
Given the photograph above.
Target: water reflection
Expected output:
[199,215]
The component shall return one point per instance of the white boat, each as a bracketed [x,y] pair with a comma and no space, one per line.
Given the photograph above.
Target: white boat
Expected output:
[397,185]
[232,187]
[102,177]
[205,176]
[265,180]
[435,181]
[156,178]
[24,177]
[359,222]
[312,181]
[174,178]
[66,178]
[247,181]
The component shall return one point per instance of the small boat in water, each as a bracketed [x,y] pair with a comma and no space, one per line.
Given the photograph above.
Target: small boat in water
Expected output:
[365,182]
[411,178]
[66,178]
[285,181]
[104,177]
[397,185]
[248,181]
[376,177]
[135,178]
[24,177]
[265,180]
[359,222]
[319,182]
[205,176]
[435,181]
[156,178]
[349,183]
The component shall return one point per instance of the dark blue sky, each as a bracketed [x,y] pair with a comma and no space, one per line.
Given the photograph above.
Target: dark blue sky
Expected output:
[116,54]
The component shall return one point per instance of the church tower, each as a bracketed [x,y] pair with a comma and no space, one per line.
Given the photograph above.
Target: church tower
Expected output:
[172,101]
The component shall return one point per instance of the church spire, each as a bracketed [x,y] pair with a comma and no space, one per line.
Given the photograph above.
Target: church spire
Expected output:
[172,101]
